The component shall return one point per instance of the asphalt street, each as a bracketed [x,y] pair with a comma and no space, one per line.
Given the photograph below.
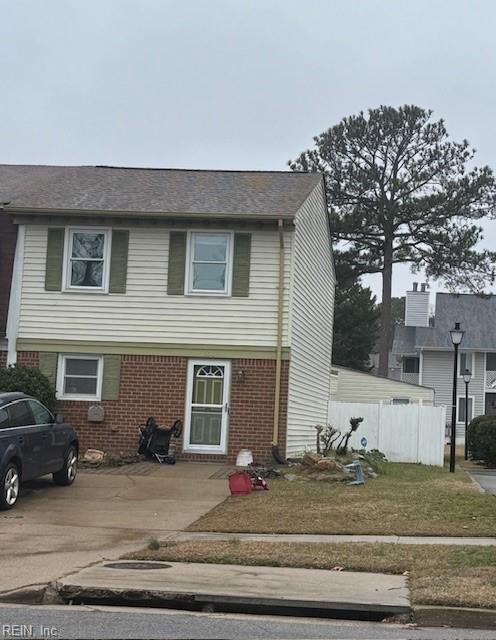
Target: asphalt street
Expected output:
[102,623]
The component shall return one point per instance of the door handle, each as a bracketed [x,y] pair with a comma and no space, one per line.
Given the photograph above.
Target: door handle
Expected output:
[44,436]
[226,407]
[20,440]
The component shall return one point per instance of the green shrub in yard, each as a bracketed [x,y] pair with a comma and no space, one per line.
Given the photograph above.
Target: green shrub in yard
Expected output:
[482,439]
[29,381]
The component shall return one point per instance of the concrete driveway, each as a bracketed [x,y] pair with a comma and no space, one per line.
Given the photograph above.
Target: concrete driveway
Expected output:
[55,530]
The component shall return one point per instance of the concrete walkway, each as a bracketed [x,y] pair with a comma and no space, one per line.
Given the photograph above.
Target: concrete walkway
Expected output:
[323,538]
[197,585]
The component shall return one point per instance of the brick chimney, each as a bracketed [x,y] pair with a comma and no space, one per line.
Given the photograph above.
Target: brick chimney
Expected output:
[417,306]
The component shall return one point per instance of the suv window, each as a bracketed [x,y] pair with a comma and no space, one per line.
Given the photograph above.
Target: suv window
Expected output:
[4,419]
[20,414]
[40,413]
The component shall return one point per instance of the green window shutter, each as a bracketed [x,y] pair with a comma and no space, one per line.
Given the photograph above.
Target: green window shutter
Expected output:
[241,265]
[118,261]
[177,263]
[111,377]
[54,259]
[47,364]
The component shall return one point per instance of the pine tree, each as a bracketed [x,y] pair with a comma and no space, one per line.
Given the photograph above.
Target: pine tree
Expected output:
[400,191]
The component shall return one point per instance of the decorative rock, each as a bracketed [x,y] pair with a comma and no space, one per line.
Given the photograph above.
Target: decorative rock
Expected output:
[290,477]
[327,464]
[94,455]
[310,459]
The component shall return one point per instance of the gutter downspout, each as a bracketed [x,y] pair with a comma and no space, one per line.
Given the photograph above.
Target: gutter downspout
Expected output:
[280,303]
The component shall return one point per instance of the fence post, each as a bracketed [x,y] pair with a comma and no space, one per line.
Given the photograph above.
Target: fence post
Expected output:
[379,419]
[418,434]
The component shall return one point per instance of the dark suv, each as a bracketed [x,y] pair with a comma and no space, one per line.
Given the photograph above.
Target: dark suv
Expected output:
[33,443]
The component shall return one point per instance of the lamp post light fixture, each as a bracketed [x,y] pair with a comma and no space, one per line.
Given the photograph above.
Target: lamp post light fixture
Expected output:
[456,335]
[467,376]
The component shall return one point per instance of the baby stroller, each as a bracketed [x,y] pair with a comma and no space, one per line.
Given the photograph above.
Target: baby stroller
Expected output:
[154,440]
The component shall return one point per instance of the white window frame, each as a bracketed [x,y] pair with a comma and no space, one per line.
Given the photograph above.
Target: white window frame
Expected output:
[188,280]
[472,363]
[202,448]
[61,366]
[69,232]
[410,373]
[462,397]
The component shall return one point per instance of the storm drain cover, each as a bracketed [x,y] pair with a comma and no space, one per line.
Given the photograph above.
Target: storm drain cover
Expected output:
[139,566]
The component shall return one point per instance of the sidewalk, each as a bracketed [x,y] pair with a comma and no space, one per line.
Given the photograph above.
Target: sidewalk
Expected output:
[485,478]
[239,588]
[181,536]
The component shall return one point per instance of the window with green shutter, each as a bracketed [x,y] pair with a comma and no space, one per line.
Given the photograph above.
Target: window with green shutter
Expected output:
[209,263]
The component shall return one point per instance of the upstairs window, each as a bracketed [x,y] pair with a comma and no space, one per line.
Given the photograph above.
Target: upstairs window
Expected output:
[209,263]
[491,362]
[411,365]
[87,259]
[465,361]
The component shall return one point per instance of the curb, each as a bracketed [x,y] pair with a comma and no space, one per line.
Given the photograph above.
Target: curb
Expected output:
[32,594]
[432,616]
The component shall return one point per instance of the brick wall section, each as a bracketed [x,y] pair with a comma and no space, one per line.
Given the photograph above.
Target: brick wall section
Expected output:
[8,237]
[155,385]
[3,359]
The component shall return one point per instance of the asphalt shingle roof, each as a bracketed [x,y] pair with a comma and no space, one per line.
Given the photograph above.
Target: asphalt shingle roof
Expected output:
[476,315]
[112,189]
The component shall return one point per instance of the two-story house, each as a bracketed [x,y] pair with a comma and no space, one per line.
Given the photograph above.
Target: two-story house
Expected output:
[425,354]
[200,295]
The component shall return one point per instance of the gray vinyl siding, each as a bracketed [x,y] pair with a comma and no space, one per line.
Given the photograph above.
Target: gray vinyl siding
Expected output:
[311,317]
[437,372]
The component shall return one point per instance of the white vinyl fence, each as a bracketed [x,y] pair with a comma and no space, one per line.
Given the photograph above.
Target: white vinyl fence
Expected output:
[404,433]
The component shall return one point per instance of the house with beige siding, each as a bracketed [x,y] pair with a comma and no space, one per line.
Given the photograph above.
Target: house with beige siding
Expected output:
[424,354]
[205,296]
[350,385]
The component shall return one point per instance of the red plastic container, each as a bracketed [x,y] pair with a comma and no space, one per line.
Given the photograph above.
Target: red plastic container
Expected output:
[239,483]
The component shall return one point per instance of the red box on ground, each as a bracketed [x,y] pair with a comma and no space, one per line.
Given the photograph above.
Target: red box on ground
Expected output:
[239,483]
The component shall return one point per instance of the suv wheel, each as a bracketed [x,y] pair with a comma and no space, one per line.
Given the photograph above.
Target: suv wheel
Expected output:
[67,474]
[10,482]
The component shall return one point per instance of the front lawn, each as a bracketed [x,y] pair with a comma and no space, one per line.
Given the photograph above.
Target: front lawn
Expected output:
[438,575]
[406,499]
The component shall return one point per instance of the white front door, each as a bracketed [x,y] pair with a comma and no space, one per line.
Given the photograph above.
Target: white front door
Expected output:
[207,406]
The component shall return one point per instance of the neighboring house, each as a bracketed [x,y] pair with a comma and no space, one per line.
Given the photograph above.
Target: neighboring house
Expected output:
[425,353]
[350,385]
[8,234]
[201,295]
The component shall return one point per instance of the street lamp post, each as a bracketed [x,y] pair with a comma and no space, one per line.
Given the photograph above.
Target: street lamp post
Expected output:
[467,375]
[456,338]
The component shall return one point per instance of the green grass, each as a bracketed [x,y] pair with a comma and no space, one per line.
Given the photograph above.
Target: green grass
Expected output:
[407,499]
[437,575]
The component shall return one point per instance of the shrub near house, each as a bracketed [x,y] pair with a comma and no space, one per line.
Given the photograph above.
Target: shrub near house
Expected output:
[29,381]
[482,439]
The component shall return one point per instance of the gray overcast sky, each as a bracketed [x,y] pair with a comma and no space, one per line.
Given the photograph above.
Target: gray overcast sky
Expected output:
[234,84]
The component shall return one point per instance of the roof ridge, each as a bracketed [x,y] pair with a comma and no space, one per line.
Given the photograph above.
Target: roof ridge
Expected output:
[129,168]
